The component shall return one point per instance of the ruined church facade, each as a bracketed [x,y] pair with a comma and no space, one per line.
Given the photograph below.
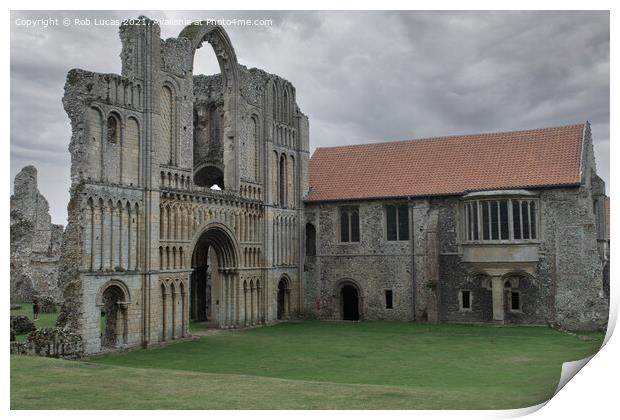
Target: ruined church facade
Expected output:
[185,196]
[193,198]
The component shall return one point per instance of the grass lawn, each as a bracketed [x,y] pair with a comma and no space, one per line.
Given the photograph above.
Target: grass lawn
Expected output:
[329,365]
[44,321]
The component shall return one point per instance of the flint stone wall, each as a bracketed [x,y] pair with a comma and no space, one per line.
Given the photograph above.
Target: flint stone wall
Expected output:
[50,342]
[566,289]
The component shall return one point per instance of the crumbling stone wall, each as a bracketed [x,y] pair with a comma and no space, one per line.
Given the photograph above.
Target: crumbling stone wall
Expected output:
[144,152]
[50,342]
[35,242]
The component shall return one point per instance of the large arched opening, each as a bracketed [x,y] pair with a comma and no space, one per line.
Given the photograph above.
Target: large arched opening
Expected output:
[214,286]
[215,113]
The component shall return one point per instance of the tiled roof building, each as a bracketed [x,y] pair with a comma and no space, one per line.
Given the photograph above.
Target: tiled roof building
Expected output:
[497,227]
[448,165]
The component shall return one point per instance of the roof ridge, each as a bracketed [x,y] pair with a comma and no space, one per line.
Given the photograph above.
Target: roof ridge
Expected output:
[436,138]
[542,157]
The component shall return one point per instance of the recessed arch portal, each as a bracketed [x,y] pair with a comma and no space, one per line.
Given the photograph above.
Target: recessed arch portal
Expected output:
[214,285]
[113,300]
[284,298]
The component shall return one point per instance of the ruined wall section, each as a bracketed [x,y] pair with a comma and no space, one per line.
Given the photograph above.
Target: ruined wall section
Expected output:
[573,232]
[176,107]
[35,242]
[104,237]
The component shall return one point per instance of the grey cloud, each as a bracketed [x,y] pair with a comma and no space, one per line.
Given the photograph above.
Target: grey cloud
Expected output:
[360,76]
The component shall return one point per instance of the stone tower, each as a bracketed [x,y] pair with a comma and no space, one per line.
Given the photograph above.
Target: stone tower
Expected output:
[150,244]
[35,242]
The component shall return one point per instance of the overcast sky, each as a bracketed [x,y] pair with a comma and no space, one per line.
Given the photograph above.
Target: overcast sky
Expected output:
[361,77]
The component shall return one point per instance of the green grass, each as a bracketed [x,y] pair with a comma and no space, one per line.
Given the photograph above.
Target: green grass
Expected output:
[197,327]
[315,365]
[44,321]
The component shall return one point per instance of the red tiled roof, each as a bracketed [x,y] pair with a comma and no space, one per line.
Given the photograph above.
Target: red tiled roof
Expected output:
[448,165]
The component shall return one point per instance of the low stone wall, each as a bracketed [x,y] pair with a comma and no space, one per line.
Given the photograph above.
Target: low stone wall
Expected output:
[47,305]
[50,342]
[21,324]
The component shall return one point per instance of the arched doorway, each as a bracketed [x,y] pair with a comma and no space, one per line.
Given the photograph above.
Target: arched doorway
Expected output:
[113,324]
[283,301]
[215,292]
[349,303]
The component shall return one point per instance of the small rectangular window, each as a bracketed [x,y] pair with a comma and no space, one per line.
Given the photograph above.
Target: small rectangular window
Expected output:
[465,299]
[344,225]
[355,225]
[390,212]
[397,222]
[389,304]
[526,220]
[486,224]
[472,221]
[494,220]
[516,219]
[533,219]
[515,301]
[349,224]
[503,219]
[403,223]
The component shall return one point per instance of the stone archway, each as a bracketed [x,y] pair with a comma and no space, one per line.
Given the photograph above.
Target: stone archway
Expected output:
[350,300]
[283,298]
[224,169]
[215,288]
[113,302]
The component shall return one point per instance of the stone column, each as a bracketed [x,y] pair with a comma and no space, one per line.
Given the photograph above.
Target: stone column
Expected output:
[497,286]
[135,238]
[276,241]
[221,315]
[184,324]
[98,237]
[88,239]
[225,303]
[287,303]
[126,249]
[245,304]
[173,307]
[235,299]
[122,237]
[106,232]
[261,307]
[231,300]
[256,305]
